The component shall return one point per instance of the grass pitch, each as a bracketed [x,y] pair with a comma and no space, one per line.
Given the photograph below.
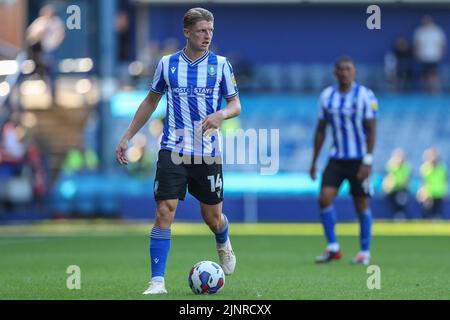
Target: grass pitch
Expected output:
[273,262]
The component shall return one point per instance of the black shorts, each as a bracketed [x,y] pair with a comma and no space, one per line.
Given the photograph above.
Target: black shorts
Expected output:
[201,177]
[429,68]
[339,170]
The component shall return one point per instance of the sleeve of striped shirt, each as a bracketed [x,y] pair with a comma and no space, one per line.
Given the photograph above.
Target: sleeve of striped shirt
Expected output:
[228,84]
[370,105]
[159,84]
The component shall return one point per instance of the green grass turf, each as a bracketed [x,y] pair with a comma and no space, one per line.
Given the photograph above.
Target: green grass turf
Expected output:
[268,267]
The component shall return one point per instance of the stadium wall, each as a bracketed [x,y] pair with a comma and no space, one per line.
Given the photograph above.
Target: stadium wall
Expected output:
[300,33]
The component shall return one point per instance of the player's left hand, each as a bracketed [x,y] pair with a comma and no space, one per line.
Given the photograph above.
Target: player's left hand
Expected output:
[121,152]
[364,172]
[212,122]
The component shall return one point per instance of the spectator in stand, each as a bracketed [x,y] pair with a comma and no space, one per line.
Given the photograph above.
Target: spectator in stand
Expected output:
[396,182]
[79,160]
[124,46]
[430,48]
[434,184]
[404,58]
[12,151]
[44,36]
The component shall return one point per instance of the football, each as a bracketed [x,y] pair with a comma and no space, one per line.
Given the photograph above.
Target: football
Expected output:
[206,277]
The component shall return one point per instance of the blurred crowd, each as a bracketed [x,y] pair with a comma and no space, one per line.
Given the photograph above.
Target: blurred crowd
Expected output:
[414,59]
[422,56]
[414,62]
[433,188]
[23,173]
[43,37]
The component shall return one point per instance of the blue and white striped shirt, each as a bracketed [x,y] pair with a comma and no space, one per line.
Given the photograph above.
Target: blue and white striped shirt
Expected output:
[194,90]
[346,114]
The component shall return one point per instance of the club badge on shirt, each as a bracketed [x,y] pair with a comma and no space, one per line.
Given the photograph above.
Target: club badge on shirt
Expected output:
[212,70]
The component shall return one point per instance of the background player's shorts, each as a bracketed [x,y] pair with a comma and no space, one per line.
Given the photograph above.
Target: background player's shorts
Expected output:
[203,180]
[339,170]
[429,68]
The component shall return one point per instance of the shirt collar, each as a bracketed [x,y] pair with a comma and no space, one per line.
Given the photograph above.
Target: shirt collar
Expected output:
[196,61]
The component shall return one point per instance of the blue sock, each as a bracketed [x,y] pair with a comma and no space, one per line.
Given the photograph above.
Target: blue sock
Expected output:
[159,250]
[328,218]
[365,222]
[222,235]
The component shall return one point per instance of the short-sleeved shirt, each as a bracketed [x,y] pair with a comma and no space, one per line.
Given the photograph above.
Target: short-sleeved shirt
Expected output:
[194,90]
[430,42]
[346,113]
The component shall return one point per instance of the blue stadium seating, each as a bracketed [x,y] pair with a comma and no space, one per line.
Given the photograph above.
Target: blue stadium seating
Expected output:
[413,122]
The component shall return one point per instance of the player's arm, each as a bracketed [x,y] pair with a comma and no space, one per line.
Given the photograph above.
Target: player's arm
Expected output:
[233,107]
[231,110]
[319,138]
[366,166]
[143,113]
[369,123]
[371,127]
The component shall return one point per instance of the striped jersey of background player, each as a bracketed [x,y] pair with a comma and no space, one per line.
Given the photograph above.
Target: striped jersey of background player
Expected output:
[195,81]
[350,109]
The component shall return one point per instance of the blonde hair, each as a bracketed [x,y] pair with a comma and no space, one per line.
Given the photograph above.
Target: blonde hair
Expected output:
[195,15]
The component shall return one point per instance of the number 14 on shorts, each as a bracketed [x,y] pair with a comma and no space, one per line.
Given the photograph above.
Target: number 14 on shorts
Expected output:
[216,183]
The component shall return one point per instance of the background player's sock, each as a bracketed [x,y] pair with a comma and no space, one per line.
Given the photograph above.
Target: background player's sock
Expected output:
[365,222]
[222,235]
[328,218]
[159,250]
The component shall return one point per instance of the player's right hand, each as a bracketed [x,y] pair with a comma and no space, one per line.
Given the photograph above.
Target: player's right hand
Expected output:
[312,171]
[121,152]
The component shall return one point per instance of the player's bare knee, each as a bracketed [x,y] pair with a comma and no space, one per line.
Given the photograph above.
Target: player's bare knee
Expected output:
[361,210]
[168,206]
[164,214]
[324,201]
[361,205]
